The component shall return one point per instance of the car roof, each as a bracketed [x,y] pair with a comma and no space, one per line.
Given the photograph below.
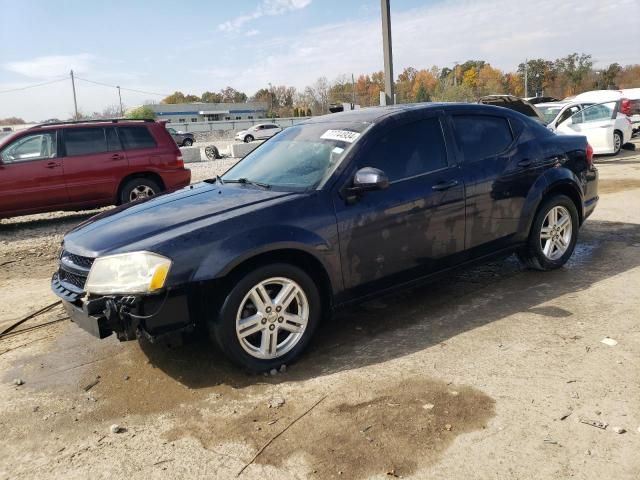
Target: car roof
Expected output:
[87,123]
[377,114]
[554,104]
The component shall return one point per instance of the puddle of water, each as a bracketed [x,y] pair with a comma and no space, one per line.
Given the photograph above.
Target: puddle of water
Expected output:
[395,427]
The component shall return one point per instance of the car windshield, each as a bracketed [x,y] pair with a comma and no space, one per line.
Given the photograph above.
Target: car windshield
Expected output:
[549,112]
[300,158]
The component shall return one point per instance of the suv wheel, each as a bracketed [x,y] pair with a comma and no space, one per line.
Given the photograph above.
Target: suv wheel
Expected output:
[553,235]
[268,317]
[248,138]
[139,189]
[187,142]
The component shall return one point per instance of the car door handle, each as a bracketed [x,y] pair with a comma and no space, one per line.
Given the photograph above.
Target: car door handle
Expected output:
[52,164]
[525,163]
[117,156]
[444,185]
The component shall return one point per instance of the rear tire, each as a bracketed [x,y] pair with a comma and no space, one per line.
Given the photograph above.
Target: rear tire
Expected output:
[139,189]
[553,235]
[261,333]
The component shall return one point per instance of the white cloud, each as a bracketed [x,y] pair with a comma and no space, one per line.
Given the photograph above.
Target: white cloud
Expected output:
[268,8]
[252,33]
[52,65]
[502,32]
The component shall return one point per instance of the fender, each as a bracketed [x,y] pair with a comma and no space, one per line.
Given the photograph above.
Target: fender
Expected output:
[551,179]
[241,248]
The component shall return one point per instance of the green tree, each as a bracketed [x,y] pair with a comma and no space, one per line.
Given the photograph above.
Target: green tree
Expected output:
[422,95]
[211,97]
[141,113]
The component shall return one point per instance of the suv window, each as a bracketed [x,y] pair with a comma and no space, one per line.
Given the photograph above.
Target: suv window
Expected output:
[84,141]
[36,146]
[481,136]
[136,137]
[113,142]
[409,150]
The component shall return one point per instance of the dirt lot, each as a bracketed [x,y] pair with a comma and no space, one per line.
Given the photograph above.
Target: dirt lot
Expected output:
[484,375]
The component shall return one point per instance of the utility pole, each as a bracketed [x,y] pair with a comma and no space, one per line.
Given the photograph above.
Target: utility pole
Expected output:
[353,91]
[75,102]
[455,74]
[526,77]
[120,98]
[388,54]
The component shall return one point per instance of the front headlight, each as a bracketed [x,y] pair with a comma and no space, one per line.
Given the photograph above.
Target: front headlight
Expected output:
[128,273]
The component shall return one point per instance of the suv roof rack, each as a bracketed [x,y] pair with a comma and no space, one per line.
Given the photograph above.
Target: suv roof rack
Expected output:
[102,120]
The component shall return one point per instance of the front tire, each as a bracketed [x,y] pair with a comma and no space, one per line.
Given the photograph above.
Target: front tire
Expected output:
[553,235]
[187,142]
[617,142]
[268,317]
[248,139]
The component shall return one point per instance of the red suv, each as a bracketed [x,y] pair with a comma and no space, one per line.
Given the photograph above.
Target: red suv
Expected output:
[89,164]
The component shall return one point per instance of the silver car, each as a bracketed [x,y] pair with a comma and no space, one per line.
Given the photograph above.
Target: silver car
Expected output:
[182,139]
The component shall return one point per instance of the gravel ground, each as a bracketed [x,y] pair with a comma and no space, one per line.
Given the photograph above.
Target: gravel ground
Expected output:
[494,372]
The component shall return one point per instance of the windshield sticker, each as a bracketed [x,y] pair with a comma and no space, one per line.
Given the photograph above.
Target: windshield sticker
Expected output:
[340,135]
[337,150]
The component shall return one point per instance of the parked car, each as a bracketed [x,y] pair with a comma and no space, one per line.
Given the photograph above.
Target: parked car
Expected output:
[89,164]
[554,113]
[262,131]
[537,100]
[629,101]
[338,209]
[182,139]
[605,127]
[513,103]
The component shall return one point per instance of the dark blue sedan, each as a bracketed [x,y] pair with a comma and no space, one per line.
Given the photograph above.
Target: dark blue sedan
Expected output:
[335,210]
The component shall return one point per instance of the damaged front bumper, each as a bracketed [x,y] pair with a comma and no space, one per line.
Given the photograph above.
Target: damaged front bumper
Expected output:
[163,316]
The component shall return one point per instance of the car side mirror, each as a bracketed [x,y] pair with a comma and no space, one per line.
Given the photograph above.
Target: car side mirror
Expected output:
[368,179]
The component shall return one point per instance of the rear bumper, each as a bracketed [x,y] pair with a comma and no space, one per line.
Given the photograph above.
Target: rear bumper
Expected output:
[155,317]
[176,178]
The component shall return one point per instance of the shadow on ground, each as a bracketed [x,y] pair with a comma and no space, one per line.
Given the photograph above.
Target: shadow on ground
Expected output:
[416,319]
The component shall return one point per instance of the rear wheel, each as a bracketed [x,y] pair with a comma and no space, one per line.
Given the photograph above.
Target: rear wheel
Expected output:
[248,138]
[553,235]
[139,189]
[268,317]
[617,142]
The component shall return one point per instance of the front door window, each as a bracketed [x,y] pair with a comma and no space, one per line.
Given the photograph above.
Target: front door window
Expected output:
[37,146]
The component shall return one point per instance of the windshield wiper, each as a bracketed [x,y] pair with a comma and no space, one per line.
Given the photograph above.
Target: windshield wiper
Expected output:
[246,181]
[217,179]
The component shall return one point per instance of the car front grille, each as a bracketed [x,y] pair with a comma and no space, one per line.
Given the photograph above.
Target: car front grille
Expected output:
[73,271]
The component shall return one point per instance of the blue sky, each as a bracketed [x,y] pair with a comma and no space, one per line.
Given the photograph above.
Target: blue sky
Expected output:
[161,46]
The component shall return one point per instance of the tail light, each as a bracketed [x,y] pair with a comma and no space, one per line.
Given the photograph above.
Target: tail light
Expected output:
[625,106]
[179,161]
[589,155]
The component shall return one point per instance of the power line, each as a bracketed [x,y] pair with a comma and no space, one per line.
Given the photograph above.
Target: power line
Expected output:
[35,85]
[123,88]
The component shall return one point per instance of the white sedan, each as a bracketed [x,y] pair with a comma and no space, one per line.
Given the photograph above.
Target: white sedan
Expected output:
[604,126]
[258,132]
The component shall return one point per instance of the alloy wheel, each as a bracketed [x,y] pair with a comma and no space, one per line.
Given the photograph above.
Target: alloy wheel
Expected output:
[140,192]
[272,318]
[556,231]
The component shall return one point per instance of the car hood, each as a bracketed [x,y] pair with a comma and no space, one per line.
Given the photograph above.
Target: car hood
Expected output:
[141,225]
[242,133]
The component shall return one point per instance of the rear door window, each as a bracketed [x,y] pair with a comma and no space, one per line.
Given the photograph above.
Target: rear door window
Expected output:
[84,141]
[409,150]
[113,142]
[136,137]
[482,136]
